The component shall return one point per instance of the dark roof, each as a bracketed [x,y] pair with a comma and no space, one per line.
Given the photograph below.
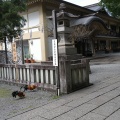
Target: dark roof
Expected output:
[72,8]
[97,8]
[64,15]
[87,21]
[94,7]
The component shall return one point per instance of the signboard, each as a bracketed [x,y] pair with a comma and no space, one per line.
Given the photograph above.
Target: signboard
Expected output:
[14,51]
[55,52]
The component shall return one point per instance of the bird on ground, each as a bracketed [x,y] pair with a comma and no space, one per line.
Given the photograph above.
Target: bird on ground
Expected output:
[29,87]
[18,93]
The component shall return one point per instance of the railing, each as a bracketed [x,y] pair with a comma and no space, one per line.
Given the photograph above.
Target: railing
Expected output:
[79,75]
[74,74]
[29,74]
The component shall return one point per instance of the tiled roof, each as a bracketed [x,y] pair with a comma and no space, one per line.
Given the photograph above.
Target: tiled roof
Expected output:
[94,7]
[87,20]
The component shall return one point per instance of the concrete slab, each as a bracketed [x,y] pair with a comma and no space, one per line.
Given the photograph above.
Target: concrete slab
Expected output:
[111,87]
[55,104]
[37,118]
[55,112]
[29,114]
[92,116]
[116,100]
[115,116]
[113,93]
[106,109]
[83,100]
[76,113]
[99,100]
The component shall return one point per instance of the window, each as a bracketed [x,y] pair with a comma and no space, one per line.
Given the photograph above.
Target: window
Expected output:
[33,19]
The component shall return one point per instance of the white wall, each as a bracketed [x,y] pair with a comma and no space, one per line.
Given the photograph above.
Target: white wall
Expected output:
[35,49]
[34,20]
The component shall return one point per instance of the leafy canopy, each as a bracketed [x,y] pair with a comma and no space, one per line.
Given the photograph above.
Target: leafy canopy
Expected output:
[113,6]
[10,20]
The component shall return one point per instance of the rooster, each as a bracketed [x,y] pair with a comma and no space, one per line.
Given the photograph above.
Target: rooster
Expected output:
[29,87]
[18,93]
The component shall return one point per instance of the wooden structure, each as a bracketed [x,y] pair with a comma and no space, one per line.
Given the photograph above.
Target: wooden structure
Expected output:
[37,31]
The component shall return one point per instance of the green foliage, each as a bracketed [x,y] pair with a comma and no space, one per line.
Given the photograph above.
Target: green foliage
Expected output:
[10,20]
[4,93]
[55,97]
[113,6]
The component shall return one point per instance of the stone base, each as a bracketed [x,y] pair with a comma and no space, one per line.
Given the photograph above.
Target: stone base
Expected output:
[67,50]
[70,57]
[74,72]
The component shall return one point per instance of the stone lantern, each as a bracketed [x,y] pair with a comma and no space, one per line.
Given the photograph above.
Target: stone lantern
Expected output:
[73,70]
[64,30]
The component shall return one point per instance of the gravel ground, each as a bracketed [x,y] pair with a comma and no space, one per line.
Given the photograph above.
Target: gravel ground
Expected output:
[106,67]
[10,106]
[102,72]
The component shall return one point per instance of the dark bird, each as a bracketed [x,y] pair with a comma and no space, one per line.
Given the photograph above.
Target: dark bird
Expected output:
[18,93]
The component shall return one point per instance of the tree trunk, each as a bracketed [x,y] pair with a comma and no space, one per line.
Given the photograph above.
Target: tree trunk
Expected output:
[6,57]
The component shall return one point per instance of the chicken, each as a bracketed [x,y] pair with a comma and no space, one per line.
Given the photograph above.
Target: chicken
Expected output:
[29,87]
[18,93]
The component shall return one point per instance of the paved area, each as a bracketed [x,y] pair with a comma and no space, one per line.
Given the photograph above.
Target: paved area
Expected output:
[101,101]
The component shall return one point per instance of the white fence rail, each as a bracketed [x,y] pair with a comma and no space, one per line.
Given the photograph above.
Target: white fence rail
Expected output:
[29,74]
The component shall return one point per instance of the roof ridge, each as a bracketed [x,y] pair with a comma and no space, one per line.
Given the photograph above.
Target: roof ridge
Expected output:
[92,5]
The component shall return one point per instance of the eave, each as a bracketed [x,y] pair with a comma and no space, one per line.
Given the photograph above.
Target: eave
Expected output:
[100,37]
[109,18]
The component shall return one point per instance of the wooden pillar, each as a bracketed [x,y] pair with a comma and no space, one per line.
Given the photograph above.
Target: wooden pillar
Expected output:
[98,44]
[44,35]
[117,28]
[107,44]
[93,47]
